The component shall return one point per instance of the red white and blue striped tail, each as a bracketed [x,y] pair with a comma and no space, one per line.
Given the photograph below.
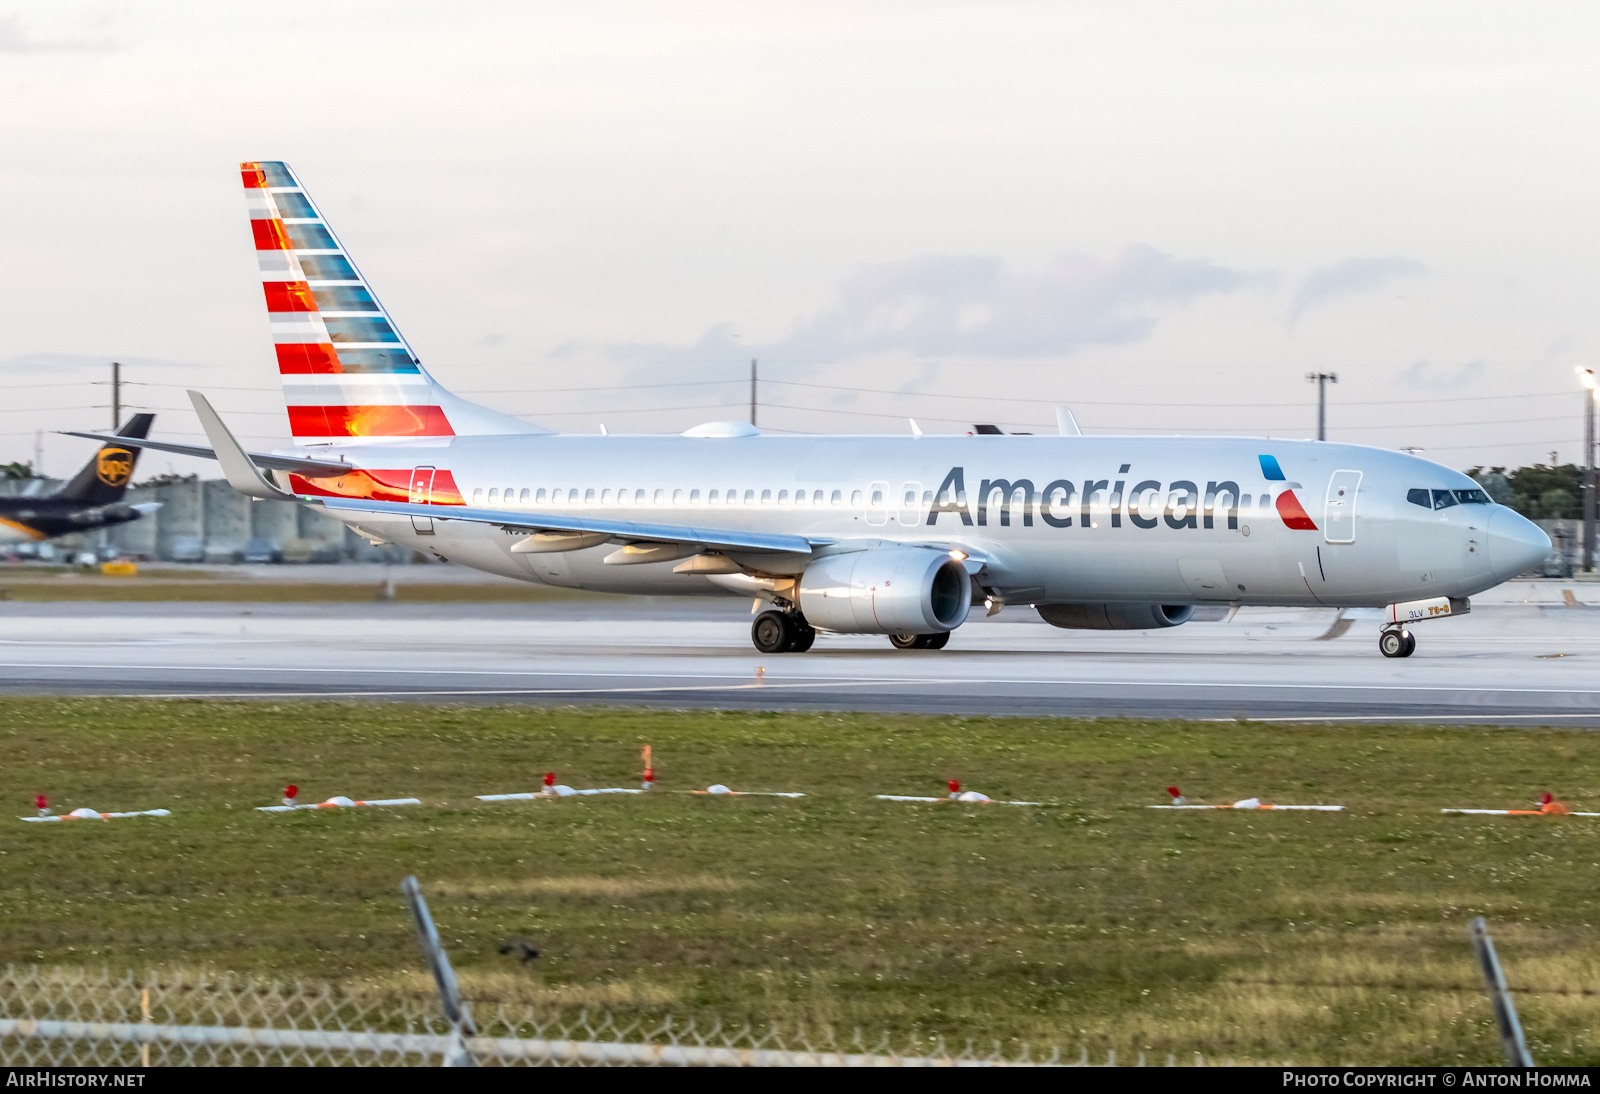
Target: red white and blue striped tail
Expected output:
[348,373]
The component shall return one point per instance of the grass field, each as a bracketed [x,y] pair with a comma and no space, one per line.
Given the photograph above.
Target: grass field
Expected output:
[1271,936]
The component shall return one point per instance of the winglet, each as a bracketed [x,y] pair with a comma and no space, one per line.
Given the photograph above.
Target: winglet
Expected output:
[242,473]
[1066,424]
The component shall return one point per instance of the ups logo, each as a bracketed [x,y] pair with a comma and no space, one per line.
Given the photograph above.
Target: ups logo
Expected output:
[115,466]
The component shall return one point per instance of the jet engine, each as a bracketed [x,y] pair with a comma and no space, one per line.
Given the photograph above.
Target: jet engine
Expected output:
[1115,617]
[886,590]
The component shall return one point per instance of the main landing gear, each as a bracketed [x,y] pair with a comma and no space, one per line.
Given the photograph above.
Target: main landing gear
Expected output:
[1394,642]
[920,641]
[781,632]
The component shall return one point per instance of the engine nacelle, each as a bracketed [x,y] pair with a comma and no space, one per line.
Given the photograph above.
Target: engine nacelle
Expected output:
[886,590]
[1115,617]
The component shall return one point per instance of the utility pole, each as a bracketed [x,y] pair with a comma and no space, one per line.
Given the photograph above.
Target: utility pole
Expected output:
[116,396]
[1591,393]
[752,391]
[1322,380]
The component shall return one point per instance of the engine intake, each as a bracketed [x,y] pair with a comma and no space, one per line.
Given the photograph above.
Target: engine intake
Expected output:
[886,590]
[1115,617]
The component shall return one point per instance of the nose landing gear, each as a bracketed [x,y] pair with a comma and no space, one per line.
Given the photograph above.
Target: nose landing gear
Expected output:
[1395,642]
[782,632]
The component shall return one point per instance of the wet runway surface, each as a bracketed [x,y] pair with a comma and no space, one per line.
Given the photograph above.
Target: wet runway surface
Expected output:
[1526,655]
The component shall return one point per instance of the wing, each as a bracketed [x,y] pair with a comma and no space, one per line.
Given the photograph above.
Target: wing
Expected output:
[625,530]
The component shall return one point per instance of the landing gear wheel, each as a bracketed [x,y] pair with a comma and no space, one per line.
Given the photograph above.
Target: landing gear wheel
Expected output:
[920,641]
[804,635]
[1397,644]
[773,632]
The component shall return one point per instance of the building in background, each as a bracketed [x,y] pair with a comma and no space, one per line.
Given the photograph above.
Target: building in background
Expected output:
[208,521]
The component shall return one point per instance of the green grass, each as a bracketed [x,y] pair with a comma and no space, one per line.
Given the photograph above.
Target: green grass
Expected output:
[1271,936]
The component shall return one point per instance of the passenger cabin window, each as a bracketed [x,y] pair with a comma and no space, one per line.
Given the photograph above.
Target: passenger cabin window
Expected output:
[661,496]
[766,497]
[855,497]
[494,495]
[694,497]
[749,497]
[836,498]
[539,497]
[522,498]
[783,497]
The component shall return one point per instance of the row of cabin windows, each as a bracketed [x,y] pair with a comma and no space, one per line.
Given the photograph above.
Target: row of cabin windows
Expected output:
[574,496]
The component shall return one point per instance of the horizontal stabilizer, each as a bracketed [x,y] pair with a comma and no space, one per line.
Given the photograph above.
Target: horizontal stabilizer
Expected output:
[311,469]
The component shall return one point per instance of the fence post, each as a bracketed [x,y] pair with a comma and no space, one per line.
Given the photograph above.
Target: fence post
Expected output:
[1505,1012]
[455,1054]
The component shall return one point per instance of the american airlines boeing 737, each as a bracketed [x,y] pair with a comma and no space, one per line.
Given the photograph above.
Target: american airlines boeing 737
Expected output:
[894,535]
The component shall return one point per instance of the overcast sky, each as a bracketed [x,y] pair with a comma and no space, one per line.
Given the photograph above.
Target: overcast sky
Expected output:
[1159,214]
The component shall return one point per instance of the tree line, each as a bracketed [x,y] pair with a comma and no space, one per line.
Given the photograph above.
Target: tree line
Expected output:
[1540,492]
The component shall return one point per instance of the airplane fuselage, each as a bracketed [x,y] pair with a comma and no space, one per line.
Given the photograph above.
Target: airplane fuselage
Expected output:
[1056,519]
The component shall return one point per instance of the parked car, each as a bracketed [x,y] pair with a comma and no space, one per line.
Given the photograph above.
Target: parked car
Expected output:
[187,549]
[261,549]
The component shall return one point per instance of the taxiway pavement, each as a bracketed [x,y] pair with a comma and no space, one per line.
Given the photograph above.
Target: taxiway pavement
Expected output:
[1528,654]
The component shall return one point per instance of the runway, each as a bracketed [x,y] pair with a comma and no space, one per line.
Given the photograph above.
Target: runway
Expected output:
[1526,655]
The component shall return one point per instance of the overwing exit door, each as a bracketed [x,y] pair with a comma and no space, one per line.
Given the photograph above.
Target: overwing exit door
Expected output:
[422,494]
[1339,518]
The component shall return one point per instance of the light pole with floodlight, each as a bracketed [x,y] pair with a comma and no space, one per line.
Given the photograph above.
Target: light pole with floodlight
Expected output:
[1322,380]
[1586,377]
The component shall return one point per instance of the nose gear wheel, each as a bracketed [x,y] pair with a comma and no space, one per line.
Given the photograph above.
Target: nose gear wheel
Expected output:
[1397,643]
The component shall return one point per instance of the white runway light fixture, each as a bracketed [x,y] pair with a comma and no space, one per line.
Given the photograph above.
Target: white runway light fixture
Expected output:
[90,814]
[1180,802]
[338,802]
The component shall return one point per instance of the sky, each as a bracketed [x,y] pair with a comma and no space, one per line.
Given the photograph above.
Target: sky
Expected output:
[1160,215]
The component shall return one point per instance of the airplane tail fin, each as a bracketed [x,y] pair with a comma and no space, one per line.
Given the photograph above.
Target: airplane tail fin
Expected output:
[105,478]
[346,369]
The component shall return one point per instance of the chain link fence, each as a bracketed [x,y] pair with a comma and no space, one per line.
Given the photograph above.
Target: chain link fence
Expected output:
[52,1017]
[55,1017]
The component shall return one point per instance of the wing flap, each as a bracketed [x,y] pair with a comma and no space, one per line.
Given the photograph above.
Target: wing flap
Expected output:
[634,531]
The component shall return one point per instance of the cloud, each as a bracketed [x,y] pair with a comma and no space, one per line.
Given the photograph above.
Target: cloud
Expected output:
[14,38]
[974,306]
[1432,377]
[1348,277]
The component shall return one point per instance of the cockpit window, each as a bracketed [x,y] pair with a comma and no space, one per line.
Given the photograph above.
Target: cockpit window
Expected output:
[1420,497]
[1443,499]
[1472,497]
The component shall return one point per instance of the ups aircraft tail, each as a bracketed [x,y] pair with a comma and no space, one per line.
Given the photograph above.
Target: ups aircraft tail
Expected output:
[104,479]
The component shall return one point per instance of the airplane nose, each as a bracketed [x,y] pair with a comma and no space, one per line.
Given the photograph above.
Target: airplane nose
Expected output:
[1515,543]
